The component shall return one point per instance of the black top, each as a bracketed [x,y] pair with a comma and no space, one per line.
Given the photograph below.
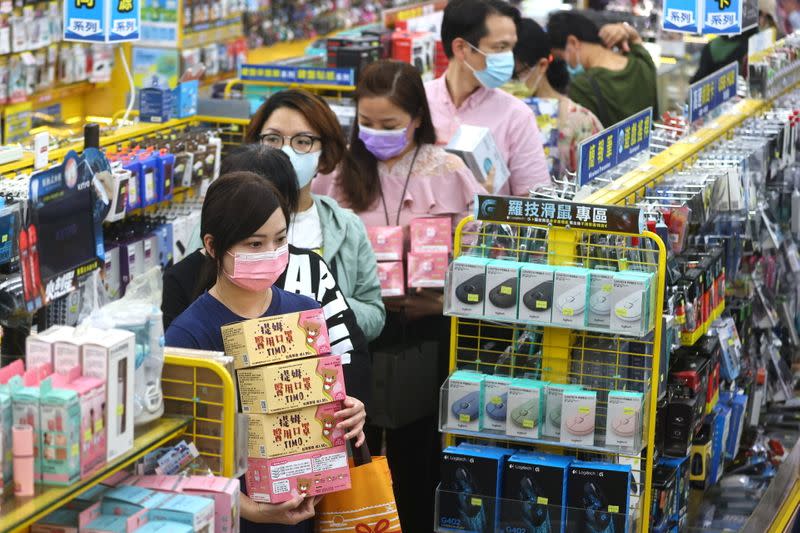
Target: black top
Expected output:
[306,274]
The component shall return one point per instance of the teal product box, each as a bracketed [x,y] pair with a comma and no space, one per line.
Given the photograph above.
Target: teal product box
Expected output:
[196,511]
[624,419]
[6,454]
[61,521]
[26,409]
[502,290]
[535,293]
[534,493]
[467,286]
[631,302]
[184,99]
[61,435]
[464,400]
[163,526]
[601,283]
[578,414]
[553,393]
[570,290]
[495,403]
[128,500]
[525,408]
[155,105]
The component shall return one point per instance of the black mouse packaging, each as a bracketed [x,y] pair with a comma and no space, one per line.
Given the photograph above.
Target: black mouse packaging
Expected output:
[536,293]
[598,497]
[533,494]
[467,286]
[502,289]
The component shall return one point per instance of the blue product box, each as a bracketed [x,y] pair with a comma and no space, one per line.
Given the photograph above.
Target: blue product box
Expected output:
[163,526]
[155,105]
[184,99]
[534,493]
[471,479]
[598,497]
[464,400]
[128,500]
[149,179]
[681,467]
[166,172]
[195,511]
[164,237]
[738,406]
[134,184]
[721,431]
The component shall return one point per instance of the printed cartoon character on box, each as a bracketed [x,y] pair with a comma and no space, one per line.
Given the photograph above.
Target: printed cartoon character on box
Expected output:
[313,329]
[303,486]
[331,385]
[327,426]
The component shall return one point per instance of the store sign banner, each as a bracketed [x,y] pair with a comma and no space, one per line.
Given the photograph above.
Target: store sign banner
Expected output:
[343,77]
[521,210]
[102,21]
[682,16]
[722,17]
[613,146]
[712,91]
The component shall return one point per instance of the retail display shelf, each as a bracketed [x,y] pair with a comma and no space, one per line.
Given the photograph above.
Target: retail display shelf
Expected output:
[16,514]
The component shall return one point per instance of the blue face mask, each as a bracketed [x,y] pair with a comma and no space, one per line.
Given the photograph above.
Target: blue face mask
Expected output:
[498,71]
[305,165]
[577,69]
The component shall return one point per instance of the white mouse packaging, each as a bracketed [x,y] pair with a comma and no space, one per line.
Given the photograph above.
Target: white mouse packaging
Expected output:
[578,409]
[624,419]
[601,284]
[630,303]
[570,286]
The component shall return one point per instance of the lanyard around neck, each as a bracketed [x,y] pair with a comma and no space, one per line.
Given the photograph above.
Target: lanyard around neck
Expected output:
[402,196]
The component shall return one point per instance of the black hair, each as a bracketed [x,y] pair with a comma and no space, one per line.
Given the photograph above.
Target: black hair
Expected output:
[562,24]
[558,75]
[532,43]
[467,19]
[271,164]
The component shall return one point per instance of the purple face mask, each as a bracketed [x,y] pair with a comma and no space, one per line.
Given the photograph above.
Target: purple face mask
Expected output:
[384,144]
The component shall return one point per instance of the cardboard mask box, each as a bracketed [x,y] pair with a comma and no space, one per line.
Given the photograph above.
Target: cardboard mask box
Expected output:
[195,511]
[427,269]
[301,431]
[391,277]
[431,234]
[291,385]
[476,146]
[387,242]
[308,474]
[224,492]
[277,338]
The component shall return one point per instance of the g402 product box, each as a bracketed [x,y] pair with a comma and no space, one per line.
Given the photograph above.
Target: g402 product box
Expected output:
[624,419]
[471,479]
[306,430]
[570,288]
[307,474]
[534,493]
[525,408]
[600,286]
[578,409]
[495,403]
[291,385]
[536,293]
[464,400]
[554,392]
[476,146]
[274,339]
[502,289]
[467,286]
[597,497]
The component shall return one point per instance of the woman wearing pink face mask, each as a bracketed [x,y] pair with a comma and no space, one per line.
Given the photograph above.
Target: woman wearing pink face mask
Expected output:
[243,224]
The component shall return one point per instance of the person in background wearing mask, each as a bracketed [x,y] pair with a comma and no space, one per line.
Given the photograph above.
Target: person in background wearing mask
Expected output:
[478,37]
[306,273]
[401,176]
[543,76]
[611,85]
[304,127]
[244,224]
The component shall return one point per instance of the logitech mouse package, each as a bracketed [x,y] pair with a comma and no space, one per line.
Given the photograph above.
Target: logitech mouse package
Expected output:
[569,296]
[525,408]
[624,419]
[495,403]
[600,286]
[534,492]
[465,401]
[630,303]
[467,286]
[536,293]
[598,497]
[502,289]
[578,414]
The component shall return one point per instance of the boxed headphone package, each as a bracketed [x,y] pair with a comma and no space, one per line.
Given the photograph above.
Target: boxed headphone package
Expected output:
[630,303]
[578,417]
[464,399]
[495,402]
[600,287]
[525,408]
[598,497]
[554,392]
[569,303]
[502,289]
[534,493]
[536,293]
[467,286]
[624,419]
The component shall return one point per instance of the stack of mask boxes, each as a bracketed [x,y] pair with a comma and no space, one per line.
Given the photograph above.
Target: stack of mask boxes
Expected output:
[290,386]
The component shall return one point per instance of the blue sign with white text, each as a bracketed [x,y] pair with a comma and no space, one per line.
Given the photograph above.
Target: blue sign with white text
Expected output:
[682,16]
[613,146]
[125,20]
[98,21]
[343,77]
[722,17]
[712,91]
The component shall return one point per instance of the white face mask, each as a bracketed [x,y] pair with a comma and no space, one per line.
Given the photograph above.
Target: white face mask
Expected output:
[305,165]
[535,86]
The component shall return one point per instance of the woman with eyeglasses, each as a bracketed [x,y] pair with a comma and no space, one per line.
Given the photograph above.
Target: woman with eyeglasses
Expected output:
[303,126]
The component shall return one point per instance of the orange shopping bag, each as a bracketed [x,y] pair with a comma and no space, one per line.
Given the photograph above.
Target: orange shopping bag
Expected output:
[368,507]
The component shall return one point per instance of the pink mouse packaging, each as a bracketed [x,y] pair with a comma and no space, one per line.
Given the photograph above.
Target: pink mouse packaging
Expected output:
[307,474]
[391,277]
[578,408]
[624,420]
[301,431]
[427,269]
[431,234]
[387,242]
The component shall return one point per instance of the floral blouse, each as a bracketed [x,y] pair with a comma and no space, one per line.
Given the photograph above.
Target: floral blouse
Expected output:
[575,123]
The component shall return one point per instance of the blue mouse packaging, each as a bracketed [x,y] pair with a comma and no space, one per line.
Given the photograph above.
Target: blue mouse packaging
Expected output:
[534,492]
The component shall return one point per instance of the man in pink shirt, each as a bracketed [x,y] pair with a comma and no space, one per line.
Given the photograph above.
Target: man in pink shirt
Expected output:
[479,37]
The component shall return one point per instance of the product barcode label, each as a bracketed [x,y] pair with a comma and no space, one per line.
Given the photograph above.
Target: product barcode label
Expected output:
[264,405]
[263,450]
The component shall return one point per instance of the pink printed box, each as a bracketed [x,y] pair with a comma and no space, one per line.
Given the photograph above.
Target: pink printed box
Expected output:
[391,278]
[387,242]
[308,474]
[291,385]
[301,431]
[224,492]
[427,269]
[431,234]
[264,341]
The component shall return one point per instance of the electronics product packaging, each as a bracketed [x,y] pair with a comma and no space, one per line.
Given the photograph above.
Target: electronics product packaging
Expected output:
[534,493]
[624,419]
[502,289]
[738,406]
[630,303]
[554,392]
[431,235]
[601,285]
[61,438]
[277,338]
[307,474]
[195,511]
[391,278]
[427,269]
[387,242]
[225,493]
[39,348]
[305,430]
[536,293]
[495,403]
[570,288]
[471,482]
[476,146]
[721,433]
[109,355]
[464,400]
[466,286]
[578,417]
[525,408]
[291,385]
[597,497]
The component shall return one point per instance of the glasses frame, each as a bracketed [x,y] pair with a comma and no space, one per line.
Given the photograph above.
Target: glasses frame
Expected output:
[291,138]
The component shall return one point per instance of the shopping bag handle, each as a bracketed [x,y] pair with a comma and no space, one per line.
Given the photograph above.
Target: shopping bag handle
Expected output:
[361,455]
